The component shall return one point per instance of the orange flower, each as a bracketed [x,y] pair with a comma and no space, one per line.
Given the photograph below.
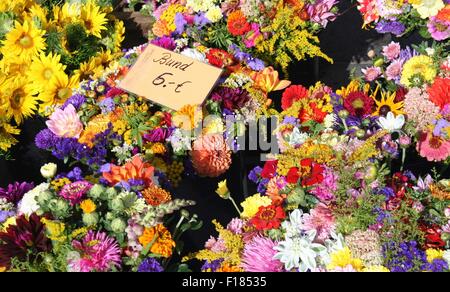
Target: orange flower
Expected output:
[273,190]
[160,238]
[156,196]
[237,23]
[228,268]
[268,80]
[211,155]
[444,14]
[440,92]
[160,28]
[136,169]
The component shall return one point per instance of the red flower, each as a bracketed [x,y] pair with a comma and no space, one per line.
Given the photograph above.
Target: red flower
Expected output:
[358,104]
[313,113]
[293,175]
[219,58]
[267,218]
[433,237]
[440,92]
[400,94]
[237,23]
[269,169]
[292,94]
[113,92]
[310,172]
[315,176]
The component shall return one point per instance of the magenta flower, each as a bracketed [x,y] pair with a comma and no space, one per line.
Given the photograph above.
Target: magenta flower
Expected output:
[320,219]
[325,190]
[258,256]
[74,192]
[96,252]
[439,29]
[320,12]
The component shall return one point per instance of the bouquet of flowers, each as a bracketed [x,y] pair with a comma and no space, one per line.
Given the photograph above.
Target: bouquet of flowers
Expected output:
[401,17]
[85,223]
[46,50]
[276,31]
[101,123]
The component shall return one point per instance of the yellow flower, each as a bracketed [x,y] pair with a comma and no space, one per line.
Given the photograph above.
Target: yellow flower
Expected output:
[214,14]
[158,239]
[10,221]
[2,269]
[433,254]
[79,232]
[168,16]
[376,269]
[24,41]
[37,15]
[55,229]
[6,135]
[43,69]
[14,66]
[66,14]
[188,117]
[20,103]
[88,69]
[252,204]
[58,91]
[351,87]
[428,8]
[343,258]
[119,35]
[388,104]
[222,190]
[418,66]
[88,206]
[57,184]
[93,19]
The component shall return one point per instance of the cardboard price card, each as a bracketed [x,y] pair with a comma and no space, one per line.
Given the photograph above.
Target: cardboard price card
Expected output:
[170,79]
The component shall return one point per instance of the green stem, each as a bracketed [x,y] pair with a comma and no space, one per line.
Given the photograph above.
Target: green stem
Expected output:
[403,158]
[235,206]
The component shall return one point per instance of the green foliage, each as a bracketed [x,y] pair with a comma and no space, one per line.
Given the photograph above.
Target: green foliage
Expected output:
[219,37]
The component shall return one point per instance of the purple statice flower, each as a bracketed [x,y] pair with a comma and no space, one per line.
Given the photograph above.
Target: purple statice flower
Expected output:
[437,266]
[76,100]
[200,20]
[14,192]
[165,42]
[232,98]
[255,174]
[253,63]
[262,186]
[180,23]
[45,139]
[439,127]
[405,257]
[107,105]
[320,11]
[395,27]
[158,135]
[150,265]
[76,174]
[387,192]
[212,266]
[4,215]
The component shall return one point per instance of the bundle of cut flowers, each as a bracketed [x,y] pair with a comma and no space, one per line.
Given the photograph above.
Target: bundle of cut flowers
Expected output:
[279,32]
[100,123]
[45,50]
[119,221]
[431,18]
[330,201]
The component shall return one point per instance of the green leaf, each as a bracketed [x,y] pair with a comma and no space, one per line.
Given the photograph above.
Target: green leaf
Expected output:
[184,268]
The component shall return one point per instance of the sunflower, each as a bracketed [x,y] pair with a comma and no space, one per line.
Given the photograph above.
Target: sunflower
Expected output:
[88,69]
[24,41]
[14,66]
[64,15]
[6,135]
[93,19]
[104,58]
[417,70]
[18,98]
[387,104]
[15,6]
[43,69]
[58,90]
[37,15]
[119,35]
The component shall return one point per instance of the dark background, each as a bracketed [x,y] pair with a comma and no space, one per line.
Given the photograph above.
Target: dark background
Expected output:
[343,40]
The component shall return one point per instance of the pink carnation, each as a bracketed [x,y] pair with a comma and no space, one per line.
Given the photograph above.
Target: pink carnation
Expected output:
[371,73]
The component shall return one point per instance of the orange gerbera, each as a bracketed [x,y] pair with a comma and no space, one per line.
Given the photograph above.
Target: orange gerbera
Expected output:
[160,239]
[135,169]
[237,23]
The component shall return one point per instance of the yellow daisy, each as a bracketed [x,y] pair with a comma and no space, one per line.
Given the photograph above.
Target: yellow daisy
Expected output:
[387,104]
[37,15]
[104,58]
[58,91]
[119,35]
[88,69]
[24,41]
[14,66]
[93,19]
[66,14]
[418,67]
[7,139]
[20,103]
[43,69]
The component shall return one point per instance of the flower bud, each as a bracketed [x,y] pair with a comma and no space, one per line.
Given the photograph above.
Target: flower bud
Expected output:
[96,191]
[343,114]
[90,219]
[118,225]
[49,170]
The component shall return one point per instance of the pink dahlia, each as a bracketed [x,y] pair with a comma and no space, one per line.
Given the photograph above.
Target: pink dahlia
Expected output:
[433,148]
[258,256]
[97,252]
[65,123]
[74,192]
[391,51]
[320,12]
[320,219]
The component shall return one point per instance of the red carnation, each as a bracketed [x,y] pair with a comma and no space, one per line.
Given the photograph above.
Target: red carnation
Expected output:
[267,218]
[292,94]
[269,169]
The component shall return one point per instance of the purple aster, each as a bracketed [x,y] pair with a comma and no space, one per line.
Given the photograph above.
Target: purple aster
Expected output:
[201,20]
[395,27]
[387,192]
[180,23]
[150,265]
[437,266]
[45,139]
[107,105]
[407,54]
[14,192]
[262,186]
[76,100]
[75,174]
[253,63]
[165,42]
[158,135]
[212,266]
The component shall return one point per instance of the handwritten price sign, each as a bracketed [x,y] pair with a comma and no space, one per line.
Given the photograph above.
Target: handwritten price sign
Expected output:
[170,79]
